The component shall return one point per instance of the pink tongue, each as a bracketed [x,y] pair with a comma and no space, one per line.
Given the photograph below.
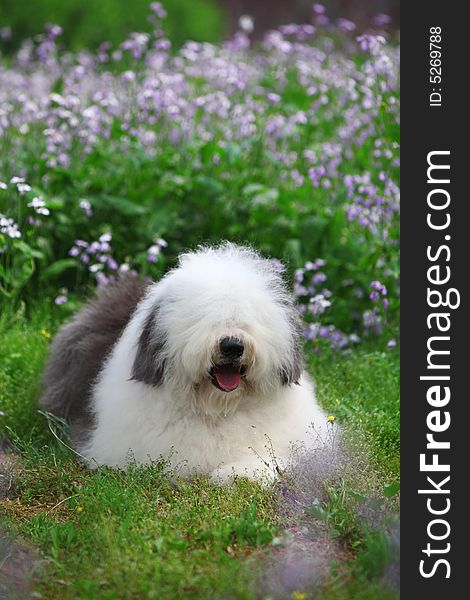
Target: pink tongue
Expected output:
[227,378]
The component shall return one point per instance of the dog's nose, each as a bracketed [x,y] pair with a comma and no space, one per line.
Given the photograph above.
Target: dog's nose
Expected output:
[231,347]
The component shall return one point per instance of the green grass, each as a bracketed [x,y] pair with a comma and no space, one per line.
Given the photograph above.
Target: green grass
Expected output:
[362,390]
[145,533]
[141,534]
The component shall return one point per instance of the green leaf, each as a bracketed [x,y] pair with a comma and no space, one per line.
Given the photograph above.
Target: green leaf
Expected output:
[121,205]
[267,198]
[357,496]
[233,152]
[55,203]
[210,186]
[57,267]
[293,251]
[171,181]
[253,188]
[24,248]
[391,489]
[37,254]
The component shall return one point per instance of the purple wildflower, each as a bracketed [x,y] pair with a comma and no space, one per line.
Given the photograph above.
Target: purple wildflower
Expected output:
[315,174]
[136,44]
[370,43]
[86,207]
[372,321]
[318,304]
[318,9]
[23,188]
[158,10]
[5,33]
[345,25]
[9,228]
[381,20]
[111,263]
[154,251]
[378,287]
[273,98]
[39,206]
[246,23]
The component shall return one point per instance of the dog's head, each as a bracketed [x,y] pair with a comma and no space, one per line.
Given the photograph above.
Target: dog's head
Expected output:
[220,327]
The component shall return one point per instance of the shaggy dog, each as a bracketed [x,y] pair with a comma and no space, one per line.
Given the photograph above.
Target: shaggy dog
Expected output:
[203,368]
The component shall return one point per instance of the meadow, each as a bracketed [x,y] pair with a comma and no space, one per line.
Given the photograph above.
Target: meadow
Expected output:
[116,160]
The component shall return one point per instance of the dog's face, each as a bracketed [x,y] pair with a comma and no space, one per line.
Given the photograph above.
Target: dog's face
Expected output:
[222,328]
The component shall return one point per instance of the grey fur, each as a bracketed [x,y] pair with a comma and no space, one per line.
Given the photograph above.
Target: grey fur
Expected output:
[291,373]
[79,349]
[147,368]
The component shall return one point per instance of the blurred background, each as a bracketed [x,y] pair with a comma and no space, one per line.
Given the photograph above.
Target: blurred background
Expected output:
[86,23]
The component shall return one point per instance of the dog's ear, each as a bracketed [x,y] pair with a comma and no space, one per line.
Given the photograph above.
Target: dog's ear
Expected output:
[291,370]
[149,366]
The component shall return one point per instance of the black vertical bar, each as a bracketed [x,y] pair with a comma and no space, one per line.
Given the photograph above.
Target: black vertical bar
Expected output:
[427,126]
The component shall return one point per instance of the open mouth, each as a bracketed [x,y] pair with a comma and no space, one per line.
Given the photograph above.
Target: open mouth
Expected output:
[227,377]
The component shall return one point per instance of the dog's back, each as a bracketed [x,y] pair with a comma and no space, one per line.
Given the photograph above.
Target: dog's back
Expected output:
[80,348]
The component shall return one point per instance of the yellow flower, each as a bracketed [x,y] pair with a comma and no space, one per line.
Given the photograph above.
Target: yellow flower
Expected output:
[298,596]
[330,418]
[46,334]
[79,508]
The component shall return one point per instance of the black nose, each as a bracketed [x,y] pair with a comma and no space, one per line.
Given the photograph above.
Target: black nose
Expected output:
[231,348]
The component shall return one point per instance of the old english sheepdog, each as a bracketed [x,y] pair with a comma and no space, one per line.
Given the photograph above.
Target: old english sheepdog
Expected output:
[203,368]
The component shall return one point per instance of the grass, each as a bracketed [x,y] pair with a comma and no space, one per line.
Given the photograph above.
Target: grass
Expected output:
[362,390]
[140,534]
[144,533]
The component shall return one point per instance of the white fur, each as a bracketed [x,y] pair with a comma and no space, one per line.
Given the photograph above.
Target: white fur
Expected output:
[213,293]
